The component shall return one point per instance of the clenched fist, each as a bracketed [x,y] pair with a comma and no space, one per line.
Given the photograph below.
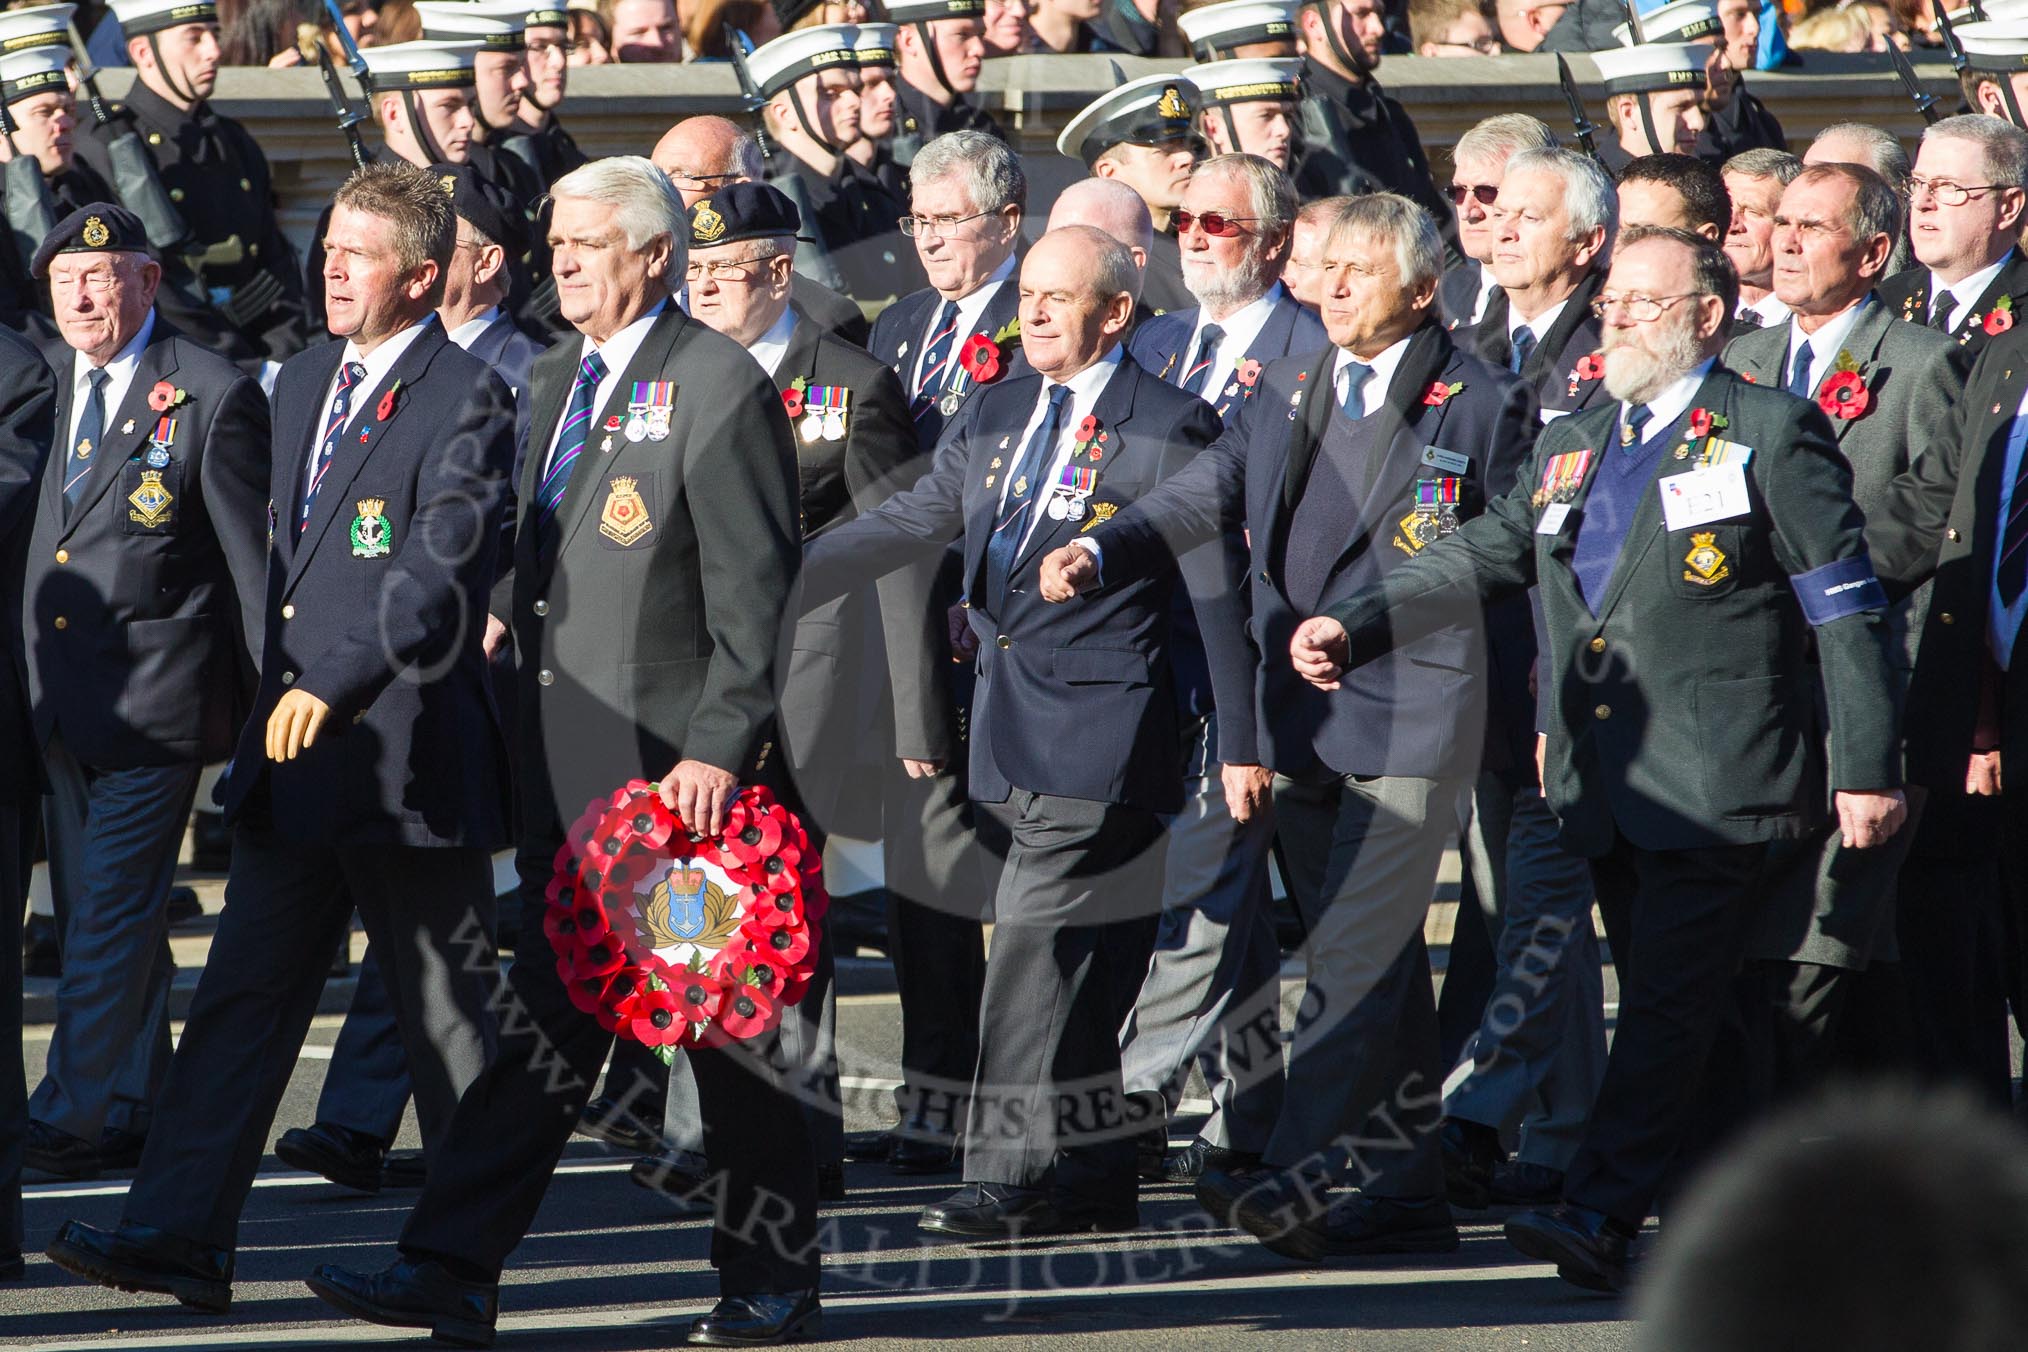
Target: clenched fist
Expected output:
[1068,571]
[1319,650]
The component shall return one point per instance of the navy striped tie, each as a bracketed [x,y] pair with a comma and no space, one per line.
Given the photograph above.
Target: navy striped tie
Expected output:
[570,438]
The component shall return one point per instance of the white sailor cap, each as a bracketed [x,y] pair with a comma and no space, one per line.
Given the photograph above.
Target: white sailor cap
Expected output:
[1250,81]
[1683,21]
[419,65]
[547,14]
[778,64]
[875,44]
[43,26]
[928,11]
[1652,66]
[37,70]
[1144,112]
[138,18]
[2000,45]
[494,25]
[1218,30]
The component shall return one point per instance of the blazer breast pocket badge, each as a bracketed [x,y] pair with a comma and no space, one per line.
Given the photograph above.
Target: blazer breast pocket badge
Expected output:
[1707,565]
[153,504]
[624,518]
[372,537]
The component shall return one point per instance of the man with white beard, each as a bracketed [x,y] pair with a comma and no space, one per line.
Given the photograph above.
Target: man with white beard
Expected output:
[1688,539]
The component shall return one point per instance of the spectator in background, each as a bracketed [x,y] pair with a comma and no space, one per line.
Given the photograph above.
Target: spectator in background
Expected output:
[1855,28]
[1067,25]
[1754,180]
[1451,28]
[258,32]
[1524,23]
[396,21]
[795,14]
[643,31]
[1007,31]
[283,24]
[704,27]
[591,42]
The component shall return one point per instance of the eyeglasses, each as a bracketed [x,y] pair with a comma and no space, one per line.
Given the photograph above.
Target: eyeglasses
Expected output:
[686,176]
[1640,309]
[1948,194]
[917,227]
[1212,223]
[1485,194]
[549,48]
[1487,46]
[723,269]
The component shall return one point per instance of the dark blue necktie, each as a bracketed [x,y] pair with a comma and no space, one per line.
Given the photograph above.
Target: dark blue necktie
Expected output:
[936,360]
[1524,345]
[1022,494]
[1799,373]
[91,426]
[1634,429]
[327,446]
[1200,366]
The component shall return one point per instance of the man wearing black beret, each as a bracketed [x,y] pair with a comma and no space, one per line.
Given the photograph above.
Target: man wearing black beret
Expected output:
[141,589]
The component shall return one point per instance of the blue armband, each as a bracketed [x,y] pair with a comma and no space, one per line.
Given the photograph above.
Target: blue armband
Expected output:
[1839,589]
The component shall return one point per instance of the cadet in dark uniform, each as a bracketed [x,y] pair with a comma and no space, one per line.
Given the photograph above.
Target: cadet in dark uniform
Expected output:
[372,770]
[141,595]
[534,135]
[1355,138]
[1144,134]
[1654,101]
[810,80]
[939,49]
[239,263]
[35,86]
[1682,740]
[1249,107]
[1734,120]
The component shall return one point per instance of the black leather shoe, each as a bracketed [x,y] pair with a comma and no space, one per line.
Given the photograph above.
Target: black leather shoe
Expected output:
[1589,1249]
[12,1268]
[634,1127]
[1361,1226]
[992,1211]
[1189,1164]
[142,1258]
[50,1151]
[120,1148]
[1524,1184]
[759,1320]
[41,954]
[1219,1190]
[403,1169]
[830,1182]
[869,1147]
[210,842]
[679,1175]
[410,1295]
[184,906]
[349,1158]
[922,1155]
[1471,1152]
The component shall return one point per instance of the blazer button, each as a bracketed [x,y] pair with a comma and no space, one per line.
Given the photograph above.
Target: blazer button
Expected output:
[1951,535]
[545,677]
[542,607]
[1004,641]
[1603,711]
[1265,578]
[62,623]
[63,556]
[1598,645]
[288,612]
[1945,617]
[288,678]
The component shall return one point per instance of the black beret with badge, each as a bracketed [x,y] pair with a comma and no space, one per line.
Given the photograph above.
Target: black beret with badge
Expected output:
[742,211]
[485,206]
[98,227]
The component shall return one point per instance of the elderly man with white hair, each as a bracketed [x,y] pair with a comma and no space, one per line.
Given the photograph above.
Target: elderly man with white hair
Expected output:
[641,658]
[1478,162]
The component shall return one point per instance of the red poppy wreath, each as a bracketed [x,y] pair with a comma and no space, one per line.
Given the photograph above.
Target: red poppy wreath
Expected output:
[680,942]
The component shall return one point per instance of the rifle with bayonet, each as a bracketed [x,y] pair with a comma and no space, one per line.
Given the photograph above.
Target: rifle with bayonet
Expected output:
[1925,102]
[1579,123]
[1960,62]
[31,211]
[310,41]
[137,180]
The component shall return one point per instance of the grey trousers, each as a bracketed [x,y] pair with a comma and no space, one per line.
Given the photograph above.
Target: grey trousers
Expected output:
[1365,1082]
[113,840]
[430,914]
[1212,995]
[1539,1053]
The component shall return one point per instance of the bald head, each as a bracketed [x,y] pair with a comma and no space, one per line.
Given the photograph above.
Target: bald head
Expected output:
[1110,207]
[700,155]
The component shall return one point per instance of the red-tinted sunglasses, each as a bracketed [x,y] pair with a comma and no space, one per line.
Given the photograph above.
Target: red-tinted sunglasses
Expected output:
[1211,223]
[1486,193]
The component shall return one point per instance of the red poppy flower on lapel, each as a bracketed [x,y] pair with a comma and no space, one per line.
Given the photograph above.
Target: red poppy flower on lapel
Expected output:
[1591,366]
[1749,377]
[1249,372]
[1844,395]
[613,423]
[1700,422]
[2001,317]
[165,396]
[1088,429]
[980,358]
[385,410]
[792,402]
[1438,393]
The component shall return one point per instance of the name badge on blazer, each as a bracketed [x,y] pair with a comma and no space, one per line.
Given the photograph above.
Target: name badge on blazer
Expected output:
[1450,462]
[1705,495]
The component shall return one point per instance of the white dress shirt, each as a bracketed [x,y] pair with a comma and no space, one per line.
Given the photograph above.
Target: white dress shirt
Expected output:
[1538,326]
[969,310]
[377,363]
[1487,284]
[1769,310]
[1373,393]
[121,370]
[772,346]
[1085,388]
[618,355]
[1825,344]
[1673,399]
[2004,622]
[1965,292]
[468,332]
[1239,329]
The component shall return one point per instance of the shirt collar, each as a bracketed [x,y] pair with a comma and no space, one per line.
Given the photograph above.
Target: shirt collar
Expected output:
[1966,290]
[1670,403]
[1541,324]
[1383,367]
[382,359]
[1827,342]
[772,346]
[1086,385]
[468,332]
[121,367]
[618,351]
[1240,327]
[1769,310]
[974,303]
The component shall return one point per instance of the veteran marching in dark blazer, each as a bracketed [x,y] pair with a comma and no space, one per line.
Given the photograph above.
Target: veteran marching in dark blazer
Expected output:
[1974,320]
[653,556]
[946,344]
[143,591]
[1074,731]
[27,408]
[371,772]
[238,283]
[1689,541]
[1831,910]
[1343,468]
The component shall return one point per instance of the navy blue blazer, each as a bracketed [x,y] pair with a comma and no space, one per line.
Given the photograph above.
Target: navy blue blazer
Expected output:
[1420,711]
[27,420]
[898,336]
[1074,701]
[383,621]
[1161,344]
